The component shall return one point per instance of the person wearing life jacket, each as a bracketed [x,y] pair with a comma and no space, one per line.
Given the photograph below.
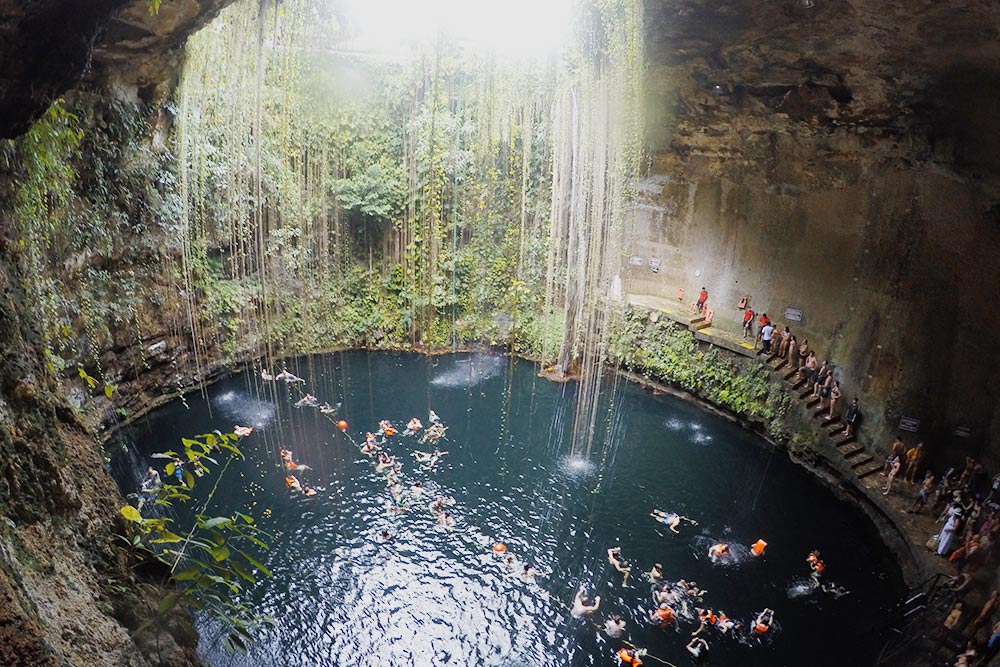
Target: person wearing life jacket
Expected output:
[757,548]
[292,483]
[815,564]
[629,656]
[663,615]
[718,551]
[707,619]
[582,606]
[725,624]
[762,624]
[412,426]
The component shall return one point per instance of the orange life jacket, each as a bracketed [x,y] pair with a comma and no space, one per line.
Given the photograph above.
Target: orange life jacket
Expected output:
[629,658]
[761,628]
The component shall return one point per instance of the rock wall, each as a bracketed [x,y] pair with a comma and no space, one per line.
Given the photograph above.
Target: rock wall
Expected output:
[837,161]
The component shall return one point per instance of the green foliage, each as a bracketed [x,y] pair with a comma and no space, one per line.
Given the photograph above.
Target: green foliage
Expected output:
[668,352]
[211,561]
[153,7]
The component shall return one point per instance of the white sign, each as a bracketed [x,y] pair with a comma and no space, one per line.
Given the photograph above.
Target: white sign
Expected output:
[793,314]
[654,264]
[636,260]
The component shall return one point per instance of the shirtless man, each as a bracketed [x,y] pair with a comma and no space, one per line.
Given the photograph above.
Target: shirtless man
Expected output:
[582,606]
[615,558]
[671,519]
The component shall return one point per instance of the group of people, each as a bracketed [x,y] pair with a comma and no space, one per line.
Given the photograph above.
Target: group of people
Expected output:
[678,601]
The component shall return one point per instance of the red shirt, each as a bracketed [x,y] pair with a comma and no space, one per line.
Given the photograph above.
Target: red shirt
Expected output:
[703,297]
[747,315]
[764,321]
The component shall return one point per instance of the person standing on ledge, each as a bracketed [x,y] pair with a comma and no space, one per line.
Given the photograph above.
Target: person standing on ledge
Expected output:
[747,322]
[766,336]
[914,457]
[702,299]
[853,412]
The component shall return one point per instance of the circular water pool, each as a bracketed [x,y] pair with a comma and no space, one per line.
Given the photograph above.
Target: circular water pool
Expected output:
[339,595]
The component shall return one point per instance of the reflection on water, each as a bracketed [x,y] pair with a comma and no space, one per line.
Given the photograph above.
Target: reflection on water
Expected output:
[341,595]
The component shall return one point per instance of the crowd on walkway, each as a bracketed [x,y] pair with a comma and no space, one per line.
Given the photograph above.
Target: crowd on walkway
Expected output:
[964,500]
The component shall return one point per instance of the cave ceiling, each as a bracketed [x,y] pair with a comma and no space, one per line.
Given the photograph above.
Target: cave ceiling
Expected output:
[915,67]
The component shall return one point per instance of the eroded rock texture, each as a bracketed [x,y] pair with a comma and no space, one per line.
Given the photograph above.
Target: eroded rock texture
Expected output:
[843,161]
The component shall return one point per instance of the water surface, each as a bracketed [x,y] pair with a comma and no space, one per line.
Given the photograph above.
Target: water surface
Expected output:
[432,597]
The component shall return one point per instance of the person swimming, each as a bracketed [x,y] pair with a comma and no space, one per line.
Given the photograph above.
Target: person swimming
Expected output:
[328,409]
[718,551]
[243,431]
[434,433]
[265,375]
[706,618]
[757,548]
[445,520]
[385,462]
[582,606]
[763,622]
[615,558]
[307,401]
[671,519]
[697,647]
[293,483]
[383,536]
[836,590]
[726,624]
[656,572]
[663,616]
[428,458]
[413,426]
[417,490]
[288,378]
[433,418]
[438,504]
[816,565]
[664,593]
[630,657]
[614,627]
[527,574]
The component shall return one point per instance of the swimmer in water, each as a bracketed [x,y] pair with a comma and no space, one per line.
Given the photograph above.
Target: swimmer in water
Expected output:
[265,375]
[438,504]
[706,617]
[718,551]
[726,624]
[511,563]
[243,431]
[816,565]
[307,401]
[417,490]
[434,433]
[663,616]
[433,418]
[656,572]
[630,657]
[836,590]
[671,520]
[413,426]
[445,520]
[288,377]
[763,622]
[428,458]
[664,594]
[582,606]
[292,483]
[385,462]
[528,574]
[615,558]
[383,536]
[328,409]
[615,627]
[697,647]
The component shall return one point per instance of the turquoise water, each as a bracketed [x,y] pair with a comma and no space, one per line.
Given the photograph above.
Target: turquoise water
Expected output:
[340,596]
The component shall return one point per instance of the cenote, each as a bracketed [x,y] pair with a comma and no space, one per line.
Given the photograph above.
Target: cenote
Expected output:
[429,596]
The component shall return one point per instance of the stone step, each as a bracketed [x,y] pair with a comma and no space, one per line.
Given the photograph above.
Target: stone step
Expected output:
[806,392]
[873,468]
[852,451]
[700,324]
[829,422]
[845,440]
[813,402]
[790,374]
[835,429]
[781,364]
[799,384]
[861,460]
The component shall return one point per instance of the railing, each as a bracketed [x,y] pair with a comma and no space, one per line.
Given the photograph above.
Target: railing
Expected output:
[905,620]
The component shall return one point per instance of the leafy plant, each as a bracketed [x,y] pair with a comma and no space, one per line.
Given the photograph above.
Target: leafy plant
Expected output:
[210,562]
